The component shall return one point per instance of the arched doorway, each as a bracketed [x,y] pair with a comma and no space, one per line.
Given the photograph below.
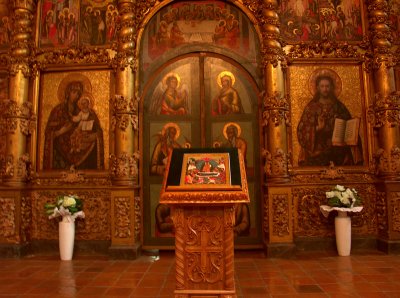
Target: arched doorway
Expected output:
[199,100]
[199,83]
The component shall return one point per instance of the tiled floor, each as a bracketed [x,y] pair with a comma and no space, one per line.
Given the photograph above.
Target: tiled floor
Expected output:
[364,274]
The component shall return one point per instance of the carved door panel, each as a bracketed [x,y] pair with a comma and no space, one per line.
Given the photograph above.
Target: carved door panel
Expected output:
[199,100]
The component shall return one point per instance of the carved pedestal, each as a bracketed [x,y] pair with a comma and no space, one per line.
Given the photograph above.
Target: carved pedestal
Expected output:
[204,218]
[204,251]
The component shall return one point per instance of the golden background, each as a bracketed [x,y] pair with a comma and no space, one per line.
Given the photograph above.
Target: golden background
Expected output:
[351,96]
[100,81]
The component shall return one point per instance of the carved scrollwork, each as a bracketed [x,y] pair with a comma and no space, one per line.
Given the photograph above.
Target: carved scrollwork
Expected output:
[13,114]
[8,218]
[277,164]
[325,48]
[386,110]
[124,112]
[122,217]
[382,161]
[26,218]
[381,214]
[395,201]
[280,216]
[273,56]
[254,6]
[332,173]
[74,55]
[266,216]
[276,109]
[72,176]
[310,220]
[138,217]
[125,165]
[95,226]
[22,169]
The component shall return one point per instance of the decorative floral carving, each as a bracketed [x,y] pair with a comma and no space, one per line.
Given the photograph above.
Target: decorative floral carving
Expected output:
[266,216]
[124,165]
[332,172]
[122,209]
[395,198]
[138,217]
[387,162]
[385,110]
[306,177]
[310,221]
[96,205]
[72,176]
[381,214]
[325,48]
[276,165]
[8,218]
[73,55]
[276,109]
[22,169]
[280,215]
[12,113]
[26,218]
[124,112]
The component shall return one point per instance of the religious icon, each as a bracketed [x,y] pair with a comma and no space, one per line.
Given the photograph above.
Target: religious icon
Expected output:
[167,141]
[228,100]
[73,135]
[170,96]
[232,132]
[321,116]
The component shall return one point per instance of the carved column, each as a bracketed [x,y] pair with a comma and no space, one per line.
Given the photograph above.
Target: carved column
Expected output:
[276,107]
[384,115]
[385,112]
[278,231]
[125,218]
[17,118]
[125,103]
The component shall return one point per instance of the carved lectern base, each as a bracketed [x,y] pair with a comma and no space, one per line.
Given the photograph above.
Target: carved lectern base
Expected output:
[204,251]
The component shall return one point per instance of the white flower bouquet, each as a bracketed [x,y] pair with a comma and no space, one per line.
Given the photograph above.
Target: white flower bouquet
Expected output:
[66,206]
[343,197]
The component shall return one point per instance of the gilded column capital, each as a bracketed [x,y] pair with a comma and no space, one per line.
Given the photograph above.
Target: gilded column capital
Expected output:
[276,109]
[13,115]
[387,163]
[385,110]
[277,164]
[124,112]
[124,165]
[20,169]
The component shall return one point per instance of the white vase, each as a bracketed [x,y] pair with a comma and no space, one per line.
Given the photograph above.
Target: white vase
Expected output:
[343,233]
[66,234]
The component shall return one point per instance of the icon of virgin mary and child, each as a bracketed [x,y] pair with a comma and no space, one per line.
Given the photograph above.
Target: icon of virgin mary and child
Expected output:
[73,135]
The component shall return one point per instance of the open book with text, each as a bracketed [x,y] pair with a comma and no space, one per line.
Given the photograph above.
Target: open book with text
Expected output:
[345,132]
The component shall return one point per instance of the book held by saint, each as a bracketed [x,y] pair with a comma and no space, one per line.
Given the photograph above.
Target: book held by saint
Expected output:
[345,132]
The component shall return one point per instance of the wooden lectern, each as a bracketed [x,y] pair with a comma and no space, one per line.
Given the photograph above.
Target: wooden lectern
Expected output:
[202,187]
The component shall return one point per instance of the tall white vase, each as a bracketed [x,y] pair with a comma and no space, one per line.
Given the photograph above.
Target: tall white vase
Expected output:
[66,233]
[343,233]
